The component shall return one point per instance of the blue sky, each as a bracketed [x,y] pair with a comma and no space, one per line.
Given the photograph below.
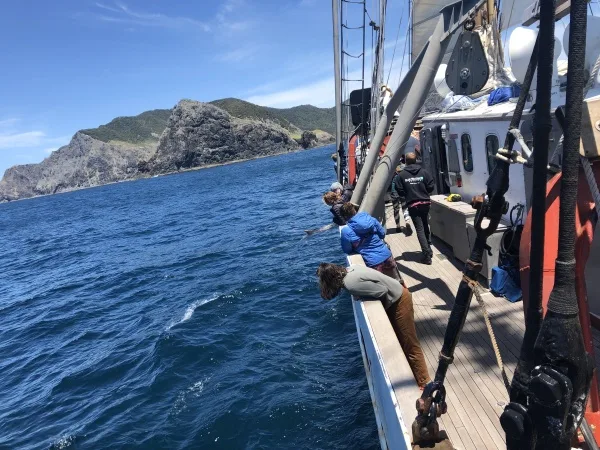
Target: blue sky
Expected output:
[73,64]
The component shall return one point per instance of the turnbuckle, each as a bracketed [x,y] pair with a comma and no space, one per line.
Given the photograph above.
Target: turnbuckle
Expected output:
[481,203]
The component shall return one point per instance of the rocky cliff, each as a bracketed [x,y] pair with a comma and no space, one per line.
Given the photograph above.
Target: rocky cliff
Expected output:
[200,134]
[316,138]
[197,134]
[85,162]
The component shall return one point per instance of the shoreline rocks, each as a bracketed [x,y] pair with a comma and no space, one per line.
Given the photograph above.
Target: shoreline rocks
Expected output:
[197,135]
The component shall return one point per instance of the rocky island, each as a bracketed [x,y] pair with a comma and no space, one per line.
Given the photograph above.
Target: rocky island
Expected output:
[192,135]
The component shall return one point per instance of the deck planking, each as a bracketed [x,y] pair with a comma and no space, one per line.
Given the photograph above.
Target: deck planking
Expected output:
[475,391]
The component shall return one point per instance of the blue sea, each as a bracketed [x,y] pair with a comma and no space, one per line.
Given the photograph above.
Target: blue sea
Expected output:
[179,312]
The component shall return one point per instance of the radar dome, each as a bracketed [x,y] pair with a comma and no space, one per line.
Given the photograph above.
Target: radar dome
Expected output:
[592,41]
[520,47]
[440,81]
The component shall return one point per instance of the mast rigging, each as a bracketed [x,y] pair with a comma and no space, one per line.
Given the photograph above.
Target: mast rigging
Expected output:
[338,93]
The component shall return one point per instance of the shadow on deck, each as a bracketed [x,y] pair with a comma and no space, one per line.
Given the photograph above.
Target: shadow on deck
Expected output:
[475,391]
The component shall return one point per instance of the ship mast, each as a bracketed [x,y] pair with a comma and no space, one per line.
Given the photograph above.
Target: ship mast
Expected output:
[338,88]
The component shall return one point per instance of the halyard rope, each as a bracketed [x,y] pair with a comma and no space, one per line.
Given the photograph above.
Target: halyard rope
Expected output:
[475,289]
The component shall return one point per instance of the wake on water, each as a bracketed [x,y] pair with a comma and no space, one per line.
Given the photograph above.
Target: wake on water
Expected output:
[189,312]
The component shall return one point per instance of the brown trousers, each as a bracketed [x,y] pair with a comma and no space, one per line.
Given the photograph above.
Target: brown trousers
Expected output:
[389,268]
[402,317]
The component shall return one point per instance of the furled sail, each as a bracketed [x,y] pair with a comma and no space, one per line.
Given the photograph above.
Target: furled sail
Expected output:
[511,12]
[425,14]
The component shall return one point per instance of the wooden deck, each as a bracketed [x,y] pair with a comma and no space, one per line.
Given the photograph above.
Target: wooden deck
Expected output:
[476,395]
[475,392]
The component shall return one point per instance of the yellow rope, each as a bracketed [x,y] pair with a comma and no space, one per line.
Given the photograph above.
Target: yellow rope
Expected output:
[475,288]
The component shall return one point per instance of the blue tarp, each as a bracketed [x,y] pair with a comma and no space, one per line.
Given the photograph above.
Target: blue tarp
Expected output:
[503,94]
[503,285]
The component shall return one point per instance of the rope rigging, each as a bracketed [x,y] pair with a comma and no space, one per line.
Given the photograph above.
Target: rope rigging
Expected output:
[408,28]
[474,285]
[348,106]
[395,45]
[353,56]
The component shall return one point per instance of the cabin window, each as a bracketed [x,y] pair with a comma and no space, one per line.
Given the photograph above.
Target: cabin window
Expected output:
[467,152]
[491,148]
[453,164]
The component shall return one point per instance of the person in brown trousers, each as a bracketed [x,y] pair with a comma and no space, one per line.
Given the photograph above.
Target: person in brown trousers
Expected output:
[368,284]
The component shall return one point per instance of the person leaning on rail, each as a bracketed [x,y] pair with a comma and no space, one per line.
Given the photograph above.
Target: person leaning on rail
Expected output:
[364,234]
[334,199]
[368,284]
[344,191]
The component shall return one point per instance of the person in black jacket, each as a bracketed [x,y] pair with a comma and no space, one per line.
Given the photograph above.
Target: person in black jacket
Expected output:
[399,204]
[334,199]
[344,191]
[415,184]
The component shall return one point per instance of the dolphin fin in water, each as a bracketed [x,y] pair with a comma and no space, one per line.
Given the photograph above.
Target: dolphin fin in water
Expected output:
[319,230]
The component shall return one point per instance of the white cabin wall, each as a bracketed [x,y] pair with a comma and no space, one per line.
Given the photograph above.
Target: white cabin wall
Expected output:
[474,183]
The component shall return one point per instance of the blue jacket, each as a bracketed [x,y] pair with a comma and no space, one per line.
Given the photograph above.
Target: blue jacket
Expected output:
[364,234]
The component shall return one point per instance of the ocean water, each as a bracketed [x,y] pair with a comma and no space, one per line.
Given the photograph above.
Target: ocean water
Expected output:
[179,312]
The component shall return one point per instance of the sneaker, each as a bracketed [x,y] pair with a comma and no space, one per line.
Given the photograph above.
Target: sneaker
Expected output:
[408,229]
[426,259]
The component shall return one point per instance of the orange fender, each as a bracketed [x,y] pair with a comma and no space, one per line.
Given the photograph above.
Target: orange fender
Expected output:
[352,159]
[384,145]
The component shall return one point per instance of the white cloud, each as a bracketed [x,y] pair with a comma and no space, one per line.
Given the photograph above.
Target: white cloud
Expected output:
[238,55]
[241,25]
[29,139]
[225,18]
[267,87]
[23,147]
[8,123]
[320,90]
[319,93]
[231,5]
[121,13]
[321,64]
[292,72]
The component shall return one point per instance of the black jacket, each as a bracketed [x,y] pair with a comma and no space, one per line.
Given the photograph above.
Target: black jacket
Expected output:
[392,189]
[337,217]
[414,184]
[347,194]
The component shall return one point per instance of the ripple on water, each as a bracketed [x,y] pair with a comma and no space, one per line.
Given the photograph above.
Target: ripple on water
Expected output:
[179,312]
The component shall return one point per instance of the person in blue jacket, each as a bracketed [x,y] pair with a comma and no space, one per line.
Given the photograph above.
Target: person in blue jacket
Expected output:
[364,234]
